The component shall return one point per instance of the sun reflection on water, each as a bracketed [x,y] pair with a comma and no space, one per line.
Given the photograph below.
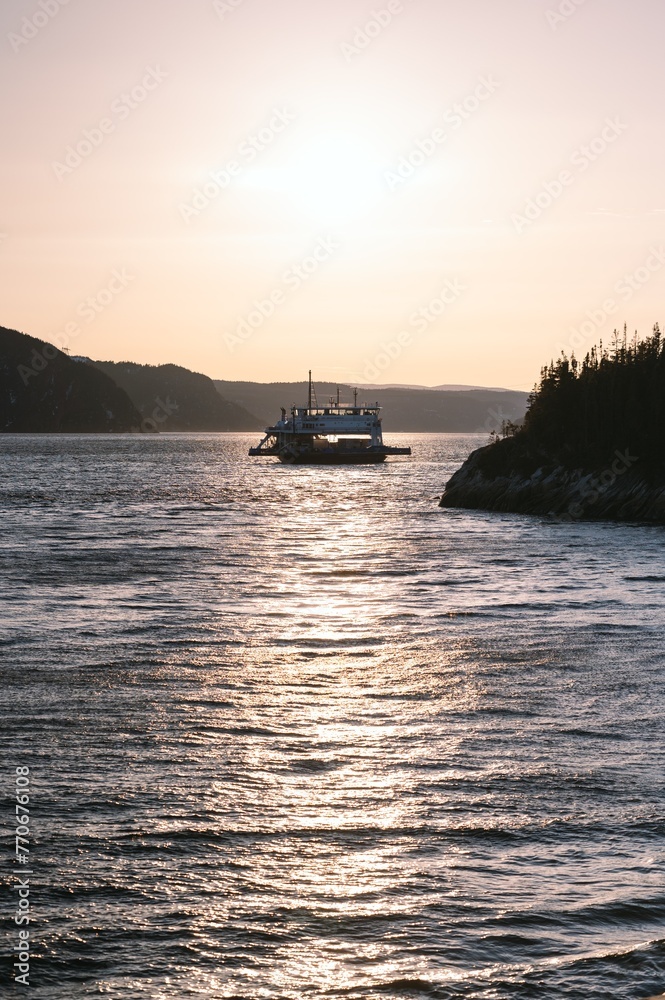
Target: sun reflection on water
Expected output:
[315,736]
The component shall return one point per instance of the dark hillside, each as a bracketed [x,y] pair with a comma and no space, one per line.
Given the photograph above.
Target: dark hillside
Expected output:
[172,398]
[42,390]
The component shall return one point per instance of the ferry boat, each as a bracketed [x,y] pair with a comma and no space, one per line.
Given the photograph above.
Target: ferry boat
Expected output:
[336,434]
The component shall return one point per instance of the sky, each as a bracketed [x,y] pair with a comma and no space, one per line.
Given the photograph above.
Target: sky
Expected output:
[392,191]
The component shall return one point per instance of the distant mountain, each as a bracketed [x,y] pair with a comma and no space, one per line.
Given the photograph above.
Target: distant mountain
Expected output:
[436,410]
[442,388]
[471,388]
[171,398]
[42,390]
[415,410]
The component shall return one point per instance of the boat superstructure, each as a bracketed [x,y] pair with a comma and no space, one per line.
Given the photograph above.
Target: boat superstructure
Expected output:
[338,433]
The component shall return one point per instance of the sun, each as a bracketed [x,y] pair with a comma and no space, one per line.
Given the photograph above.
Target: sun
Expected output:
[332,177]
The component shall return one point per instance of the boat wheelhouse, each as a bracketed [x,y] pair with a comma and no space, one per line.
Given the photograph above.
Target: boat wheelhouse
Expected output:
[335,434]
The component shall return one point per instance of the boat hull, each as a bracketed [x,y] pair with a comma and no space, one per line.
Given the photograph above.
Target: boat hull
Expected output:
[356,457]
[313,459]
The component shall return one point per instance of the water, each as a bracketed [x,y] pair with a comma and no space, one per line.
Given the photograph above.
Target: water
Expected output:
[300,733]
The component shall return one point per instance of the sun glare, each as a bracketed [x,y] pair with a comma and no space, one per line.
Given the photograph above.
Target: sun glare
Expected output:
[332,178]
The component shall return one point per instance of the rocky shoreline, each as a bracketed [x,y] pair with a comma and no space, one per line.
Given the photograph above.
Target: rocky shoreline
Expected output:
[618,491]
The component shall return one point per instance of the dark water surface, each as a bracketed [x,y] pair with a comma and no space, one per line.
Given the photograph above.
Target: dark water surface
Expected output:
[300,733]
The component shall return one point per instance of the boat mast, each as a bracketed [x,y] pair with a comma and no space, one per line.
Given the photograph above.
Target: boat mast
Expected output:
[309,398]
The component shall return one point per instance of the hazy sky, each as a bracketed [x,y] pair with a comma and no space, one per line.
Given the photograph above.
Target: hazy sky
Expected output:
[424,191]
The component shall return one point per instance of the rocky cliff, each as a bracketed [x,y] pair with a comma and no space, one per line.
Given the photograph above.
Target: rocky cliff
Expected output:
[502,478]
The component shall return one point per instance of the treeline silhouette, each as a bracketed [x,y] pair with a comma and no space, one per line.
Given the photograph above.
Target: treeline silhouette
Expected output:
[581,413]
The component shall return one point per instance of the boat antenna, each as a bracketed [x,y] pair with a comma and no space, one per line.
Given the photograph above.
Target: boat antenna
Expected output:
[309,398]
[338,397]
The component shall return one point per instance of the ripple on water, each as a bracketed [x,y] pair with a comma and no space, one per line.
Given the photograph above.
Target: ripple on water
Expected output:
[300,732]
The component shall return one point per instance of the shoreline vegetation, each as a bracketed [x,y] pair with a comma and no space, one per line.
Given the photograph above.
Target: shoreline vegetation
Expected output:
[591,446]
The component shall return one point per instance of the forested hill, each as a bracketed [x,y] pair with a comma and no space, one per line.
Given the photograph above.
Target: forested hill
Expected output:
[582,412]
[592,440]
[43,390]
[171,398]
